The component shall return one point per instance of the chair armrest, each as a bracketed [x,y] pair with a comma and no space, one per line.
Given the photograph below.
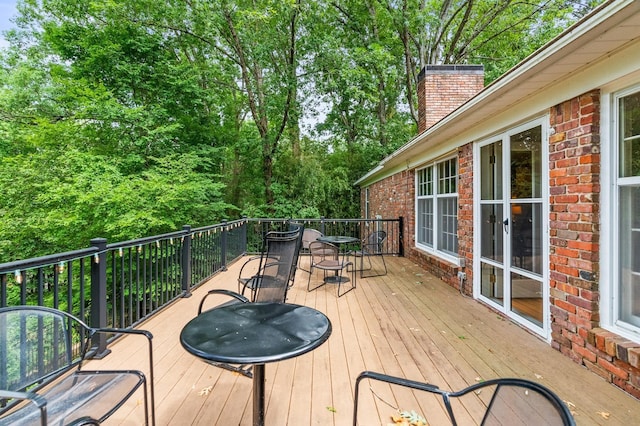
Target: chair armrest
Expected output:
[394,381]
[230,293]
[84,421]
[111,330]
[36,399]
[398,381]
[145,333]
[250,260]
[149,337]
[256,276]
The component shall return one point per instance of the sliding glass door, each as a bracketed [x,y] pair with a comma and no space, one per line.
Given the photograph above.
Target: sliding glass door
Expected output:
[511,225]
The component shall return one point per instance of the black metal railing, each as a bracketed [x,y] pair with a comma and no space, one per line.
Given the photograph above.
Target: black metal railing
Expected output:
[358,228]
[121,284]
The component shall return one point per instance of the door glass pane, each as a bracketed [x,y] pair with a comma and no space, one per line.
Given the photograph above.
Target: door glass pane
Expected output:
[491,173]
[526,298]
[526,236]
[526,164]
[630,135]
[491,283]
[630,254]
[492,232]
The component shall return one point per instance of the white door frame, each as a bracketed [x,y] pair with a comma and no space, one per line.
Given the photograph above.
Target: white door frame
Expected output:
[544,330]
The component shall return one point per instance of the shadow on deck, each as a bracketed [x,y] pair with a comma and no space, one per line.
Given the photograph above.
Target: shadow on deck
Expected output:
[407,323]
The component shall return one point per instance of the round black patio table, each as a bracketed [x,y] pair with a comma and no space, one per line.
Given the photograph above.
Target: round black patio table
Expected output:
[338,239]
[255,333]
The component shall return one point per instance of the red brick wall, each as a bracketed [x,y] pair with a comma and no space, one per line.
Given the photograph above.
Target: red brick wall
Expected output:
[465,213]
[395,196]
[574,192]
[392,198]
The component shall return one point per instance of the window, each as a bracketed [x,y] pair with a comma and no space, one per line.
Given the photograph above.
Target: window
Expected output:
[437,207]
[628,215]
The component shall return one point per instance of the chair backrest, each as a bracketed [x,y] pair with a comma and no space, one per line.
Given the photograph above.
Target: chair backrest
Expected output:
[506,401]
[293,227]
[310,235]
[42,346]
[517,402]
[321,251]
[277,267]
[375,241]
[37,345]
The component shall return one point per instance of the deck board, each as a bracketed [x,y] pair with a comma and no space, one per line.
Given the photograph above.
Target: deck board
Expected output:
[407,323]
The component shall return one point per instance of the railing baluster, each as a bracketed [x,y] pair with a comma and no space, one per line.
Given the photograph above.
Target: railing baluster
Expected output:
[82,284]
[186,261]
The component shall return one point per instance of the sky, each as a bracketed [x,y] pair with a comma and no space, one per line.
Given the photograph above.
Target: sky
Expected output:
[7,12]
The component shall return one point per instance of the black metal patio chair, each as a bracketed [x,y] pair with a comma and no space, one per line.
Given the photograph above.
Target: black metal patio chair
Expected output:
[269,284]
[327,258]
[280,251]
[503,401]
[42,380]
[372,246]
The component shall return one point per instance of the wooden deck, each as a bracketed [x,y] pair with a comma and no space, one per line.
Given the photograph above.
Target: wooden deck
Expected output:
[407,323]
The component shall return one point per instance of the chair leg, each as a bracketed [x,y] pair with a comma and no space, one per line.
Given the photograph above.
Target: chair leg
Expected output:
[355,263]
[362,264]
[309,281]
[352,280]
[300,263]
[362,275]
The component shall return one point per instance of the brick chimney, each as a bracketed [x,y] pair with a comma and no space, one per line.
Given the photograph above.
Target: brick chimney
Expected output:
[443,88]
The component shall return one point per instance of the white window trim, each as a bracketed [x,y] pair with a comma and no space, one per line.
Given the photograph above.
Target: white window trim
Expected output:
[609,283]
[433,250]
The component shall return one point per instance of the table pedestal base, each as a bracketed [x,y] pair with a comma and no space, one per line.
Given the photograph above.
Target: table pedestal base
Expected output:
[336,279]
[258,395]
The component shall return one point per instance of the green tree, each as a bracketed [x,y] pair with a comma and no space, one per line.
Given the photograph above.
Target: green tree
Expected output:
[96,139]
[132,117]
[373,50]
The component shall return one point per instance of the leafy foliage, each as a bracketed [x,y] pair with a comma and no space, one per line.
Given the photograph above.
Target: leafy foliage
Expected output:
[121,119]
[73,196]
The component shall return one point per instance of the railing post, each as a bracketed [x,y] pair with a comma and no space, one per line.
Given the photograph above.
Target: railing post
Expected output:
[99,296]
[322,228]
[244,236]
[401,236]
[223,246]
[186,262]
